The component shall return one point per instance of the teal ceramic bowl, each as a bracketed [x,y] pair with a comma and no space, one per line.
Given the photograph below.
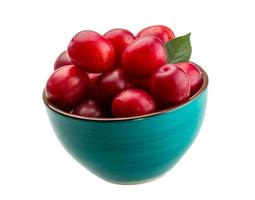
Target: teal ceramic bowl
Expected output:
[131,150]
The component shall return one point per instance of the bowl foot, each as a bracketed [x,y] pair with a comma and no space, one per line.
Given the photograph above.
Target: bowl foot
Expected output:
[134,182]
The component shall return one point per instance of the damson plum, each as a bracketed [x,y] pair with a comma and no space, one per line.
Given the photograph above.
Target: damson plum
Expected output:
[62,60]
[164,33]
[120,39]
[91,52]
[89,108]
[133,102]
[110,84]
[170,85]
[143,57]
[67,86]
[194,75]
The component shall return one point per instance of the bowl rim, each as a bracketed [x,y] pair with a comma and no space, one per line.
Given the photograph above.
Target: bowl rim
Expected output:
[202,88]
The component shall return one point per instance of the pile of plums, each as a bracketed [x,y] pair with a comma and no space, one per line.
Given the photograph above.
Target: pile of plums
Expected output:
[120,75]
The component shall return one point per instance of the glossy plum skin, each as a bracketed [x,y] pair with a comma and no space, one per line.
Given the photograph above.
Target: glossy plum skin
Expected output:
[92,81]
[133,102]
[170,85]
[194,74]
[62,60]
[164,33]
[120,39]
[89,108]
[66,87]
[110,84]
[91,51]
[143,57]
[93,78]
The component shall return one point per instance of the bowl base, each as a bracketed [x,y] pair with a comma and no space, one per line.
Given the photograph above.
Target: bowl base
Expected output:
[135,182]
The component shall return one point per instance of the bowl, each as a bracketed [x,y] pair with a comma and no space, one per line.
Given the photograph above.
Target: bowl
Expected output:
[135,149]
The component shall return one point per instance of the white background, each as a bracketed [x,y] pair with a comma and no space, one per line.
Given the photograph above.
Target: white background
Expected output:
[221,162]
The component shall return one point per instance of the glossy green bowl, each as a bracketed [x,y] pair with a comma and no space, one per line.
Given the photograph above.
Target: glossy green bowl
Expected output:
[131,150]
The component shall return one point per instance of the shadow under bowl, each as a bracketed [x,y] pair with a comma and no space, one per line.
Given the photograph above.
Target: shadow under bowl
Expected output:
[135,149]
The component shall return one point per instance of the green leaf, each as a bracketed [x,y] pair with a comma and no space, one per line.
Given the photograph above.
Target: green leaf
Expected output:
[179,49]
